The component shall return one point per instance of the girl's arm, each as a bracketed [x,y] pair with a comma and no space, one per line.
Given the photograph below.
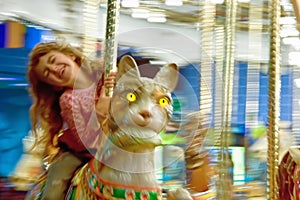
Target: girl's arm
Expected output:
[102,106]
[83,128]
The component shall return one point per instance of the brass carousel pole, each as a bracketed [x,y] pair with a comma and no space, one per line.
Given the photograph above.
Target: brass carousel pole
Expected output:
[109,54]
[273,102]
[219,88]
[207,28]
[111,43]
[224,188]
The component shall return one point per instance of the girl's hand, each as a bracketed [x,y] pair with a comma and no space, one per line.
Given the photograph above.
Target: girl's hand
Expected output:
[109,82]
[103,103]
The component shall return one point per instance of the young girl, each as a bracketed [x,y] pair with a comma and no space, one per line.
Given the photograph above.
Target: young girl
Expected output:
[69,103]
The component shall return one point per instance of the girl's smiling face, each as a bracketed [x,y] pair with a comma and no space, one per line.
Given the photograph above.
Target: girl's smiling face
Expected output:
[57,69]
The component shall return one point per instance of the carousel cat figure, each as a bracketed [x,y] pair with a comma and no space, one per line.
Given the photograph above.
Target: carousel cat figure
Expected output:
[124,167]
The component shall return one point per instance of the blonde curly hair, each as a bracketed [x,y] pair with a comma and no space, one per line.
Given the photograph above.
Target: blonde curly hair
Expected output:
[45,109]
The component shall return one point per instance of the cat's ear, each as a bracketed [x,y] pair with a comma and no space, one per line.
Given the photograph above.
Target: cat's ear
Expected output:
[167,76]
[128,67]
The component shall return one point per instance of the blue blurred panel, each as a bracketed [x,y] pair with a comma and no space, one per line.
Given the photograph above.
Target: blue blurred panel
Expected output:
[14,109]
[47,35]
[11,149]
[14,125]
[37,34]
[239,98]
[263,97]
[33,36]
[189,86]
[18,53]
[3,27]
[14,60]
[286,98]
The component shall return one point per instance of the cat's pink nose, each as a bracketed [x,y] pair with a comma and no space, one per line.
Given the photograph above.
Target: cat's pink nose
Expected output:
[145,114]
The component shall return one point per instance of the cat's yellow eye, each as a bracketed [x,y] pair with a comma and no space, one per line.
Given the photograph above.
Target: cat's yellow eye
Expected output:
[131,97]
[164,101]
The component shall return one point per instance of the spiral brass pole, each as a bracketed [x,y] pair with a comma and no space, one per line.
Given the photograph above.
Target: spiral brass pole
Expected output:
[111,43]
[207,25]
[273,102]
[219,85]
[224,189]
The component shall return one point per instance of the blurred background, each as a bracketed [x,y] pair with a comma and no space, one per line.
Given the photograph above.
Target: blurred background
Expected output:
[157,32]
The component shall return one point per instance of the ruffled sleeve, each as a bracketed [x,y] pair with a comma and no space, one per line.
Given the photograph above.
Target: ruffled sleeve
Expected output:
[78,113]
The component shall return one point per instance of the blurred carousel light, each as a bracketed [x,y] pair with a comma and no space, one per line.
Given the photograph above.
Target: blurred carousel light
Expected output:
[140,13]
[287,20]
[9,79]
[157,17]
[19,84]
[217,1]
[291,40]
[243,1]
[173,2]
[297,82]
[130,3]
[157,62]
[286,5]
[294,58]
[289,31]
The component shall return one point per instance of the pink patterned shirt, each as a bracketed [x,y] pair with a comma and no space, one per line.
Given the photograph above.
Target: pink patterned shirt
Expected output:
[78,112]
